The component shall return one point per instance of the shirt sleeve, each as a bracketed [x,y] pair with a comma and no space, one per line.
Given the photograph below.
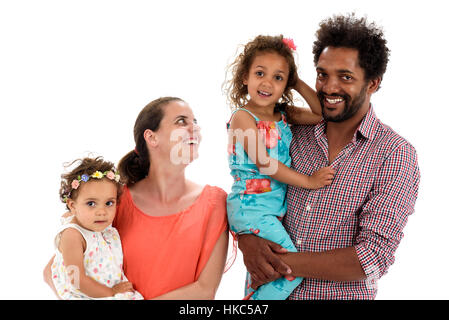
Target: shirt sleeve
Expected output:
[384,215]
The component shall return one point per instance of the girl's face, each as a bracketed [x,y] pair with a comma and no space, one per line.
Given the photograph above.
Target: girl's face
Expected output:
[267,79]
[178,136]
[95,205]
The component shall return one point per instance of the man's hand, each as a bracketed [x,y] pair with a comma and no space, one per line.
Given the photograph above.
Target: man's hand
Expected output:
[261,261]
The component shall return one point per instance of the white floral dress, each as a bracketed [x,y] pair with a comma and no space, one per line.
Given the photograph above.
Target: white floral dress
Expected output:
[103,261]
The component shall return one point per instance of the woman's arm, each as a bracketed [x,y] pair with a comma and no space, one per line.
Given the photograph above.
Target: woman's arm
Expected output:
[206,285]
[244,130]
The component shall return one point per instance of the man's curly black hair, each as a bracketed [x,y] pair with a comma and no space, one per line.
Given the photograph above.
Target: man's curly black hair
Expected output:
[354,33]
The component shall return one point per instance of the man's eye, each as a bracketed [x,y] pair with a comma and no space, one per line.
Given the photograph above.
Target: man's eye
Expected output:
[320,75]
[347,78]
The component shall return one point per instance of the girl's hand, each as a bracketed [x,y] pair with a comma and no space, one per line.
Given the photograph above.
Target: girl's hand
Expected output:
[123,287]
[320,178]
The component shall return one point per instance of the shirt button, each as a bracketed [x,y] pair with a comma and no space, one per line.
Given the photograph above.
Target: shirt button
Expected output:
[308,207]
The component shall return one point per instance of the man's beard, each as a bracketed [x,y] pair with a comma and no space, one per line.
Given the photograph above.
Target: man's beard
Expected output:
[351,105]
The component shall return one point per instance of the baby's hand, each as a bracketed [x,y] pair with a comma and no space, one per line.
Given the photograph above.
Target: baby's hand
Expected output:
[320,178]
[123,287]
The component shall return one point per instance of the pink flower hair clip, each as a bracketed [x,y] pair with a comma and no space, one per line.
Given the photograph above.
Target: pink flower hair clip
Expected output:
[289,43]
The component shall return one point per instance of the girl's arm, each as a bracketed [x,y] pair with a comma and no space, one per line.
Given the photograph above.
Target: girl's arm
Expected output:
[72,246]
[305,116]
[244,130]
[206,285]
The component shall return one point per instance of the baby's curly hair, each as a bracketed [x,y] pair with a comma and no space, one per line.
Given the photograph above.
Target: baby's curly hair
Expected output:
[234,88]
[354,33]
[84,166]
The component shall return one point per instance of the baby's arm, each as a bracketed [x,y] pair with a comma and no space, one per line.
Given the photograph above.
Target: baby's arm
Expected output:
[296,115]
[244,130]
[72,246]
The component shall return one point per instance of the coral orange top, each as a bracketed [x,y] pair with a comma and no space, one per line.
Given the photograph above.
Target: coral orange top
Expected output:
[163,253]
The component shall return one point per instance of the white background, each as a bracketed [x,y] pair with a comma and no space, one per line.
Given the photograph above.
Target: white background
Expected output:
[75,74]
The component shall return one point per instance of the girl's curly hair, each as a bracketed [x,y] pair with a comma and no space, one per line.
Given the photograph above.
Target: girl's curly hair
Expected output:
[84,166]
[355,33]
[234,88]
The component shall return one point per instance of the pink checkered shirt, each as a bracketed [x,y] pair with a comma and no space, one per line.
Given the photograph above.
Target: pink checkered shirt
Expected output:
[366,206]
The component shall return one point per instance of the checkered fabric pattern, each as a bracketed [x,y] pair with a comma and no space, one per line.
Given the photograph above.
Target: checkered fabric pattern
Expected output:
[366,206]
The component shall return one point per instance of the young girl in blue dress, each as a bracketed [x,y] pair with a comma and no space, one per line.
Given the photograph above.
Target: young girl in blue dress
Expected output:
[260,90]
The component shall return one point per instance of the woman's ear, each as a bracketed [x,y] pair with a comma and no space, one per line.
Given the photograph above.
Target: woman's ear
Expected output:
[150,137]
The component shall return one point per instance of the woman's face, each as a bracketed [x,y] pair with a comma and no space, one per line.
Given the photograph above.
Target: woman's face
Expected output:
[178,136]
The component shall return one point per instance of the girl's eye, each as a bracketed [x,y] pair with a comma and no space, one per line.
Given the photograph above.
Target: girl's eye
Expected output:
[279,78]
[110,203]
[90,204]
[259,73]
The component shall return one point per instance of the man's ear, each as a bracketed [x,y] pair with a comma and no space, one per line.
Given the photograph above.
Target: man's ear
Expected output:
[150,137]
[373,85]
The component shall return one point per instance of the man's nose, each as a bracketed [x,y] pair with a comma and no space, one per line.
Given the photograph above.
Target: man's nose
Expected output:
[330,86]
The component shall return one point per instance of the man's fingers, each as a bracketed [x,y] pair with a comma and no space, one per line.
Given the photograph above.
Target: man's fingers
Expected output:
[277,248]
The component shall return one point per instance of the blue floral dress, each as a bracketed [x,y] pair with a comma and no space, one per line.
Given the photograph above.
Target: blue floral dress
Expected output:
[257,203]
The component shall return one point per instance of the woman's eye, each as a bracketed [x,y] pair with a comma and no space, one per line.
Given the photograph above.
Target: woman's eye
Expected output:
[181,121]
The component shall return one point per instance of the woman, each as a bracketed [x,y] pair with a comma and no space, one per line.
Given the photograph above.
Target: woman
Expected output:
[173,231]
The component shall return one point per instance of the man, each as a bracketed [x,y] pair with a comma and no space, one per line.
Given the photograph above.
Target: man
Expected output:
[347,233]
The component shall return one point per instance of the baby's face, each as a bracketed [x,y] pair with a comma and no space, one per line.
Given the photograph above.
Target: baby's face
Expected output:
[95,206]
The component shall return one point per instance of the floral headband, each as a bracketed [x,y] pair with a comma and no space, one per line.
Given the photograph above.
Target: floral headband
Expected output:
[289,43]
[111,175]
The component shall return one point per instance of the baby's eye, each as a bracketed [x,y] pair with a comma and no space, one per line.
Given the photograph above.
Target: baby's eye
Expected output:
[91,203]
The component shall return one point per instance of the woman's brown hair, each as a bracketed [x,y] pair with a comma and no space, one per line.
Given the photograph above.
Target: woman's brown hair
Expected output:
[134,166]
[234,88]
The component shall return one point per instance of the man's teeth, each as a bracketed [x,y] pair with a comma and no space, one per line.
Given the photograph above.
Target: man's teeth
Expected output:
[334,101]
